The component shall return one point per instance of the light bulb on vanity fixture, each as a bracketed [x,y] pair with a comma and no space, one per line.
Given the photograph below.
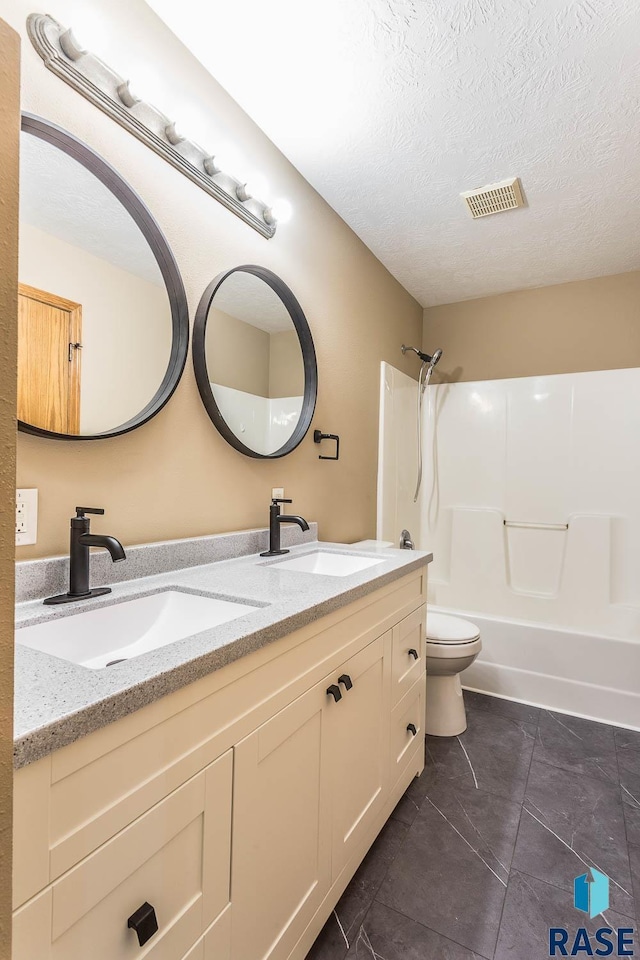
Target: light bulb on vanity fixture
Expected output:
[196,123]
[256,186]
[127,95]
[145,84]
[211,165]
[230,161]
[90,32]
[173,133]
[280,211]
[71,46]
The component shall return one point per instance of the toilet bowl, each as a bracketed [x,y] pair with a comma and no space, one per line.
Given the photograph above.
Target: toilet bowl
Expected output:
[452,646]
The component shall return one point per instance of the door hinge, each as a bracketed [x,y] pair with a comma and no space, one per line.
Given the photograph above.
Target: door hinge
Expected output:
[72,347]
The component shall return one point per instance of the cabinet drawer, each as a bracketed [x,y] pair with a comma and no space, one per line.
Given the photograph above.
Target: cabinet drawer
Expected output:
[176,857]
[404,743]
[407,662]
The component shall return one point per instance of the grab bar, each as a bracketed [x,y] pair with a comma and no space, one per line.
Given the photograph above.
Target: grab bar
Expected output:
[536,526]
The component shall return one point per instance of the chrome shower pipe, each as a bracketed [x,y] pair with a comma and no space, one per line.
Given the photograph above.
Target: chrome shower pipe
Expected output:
[426,369]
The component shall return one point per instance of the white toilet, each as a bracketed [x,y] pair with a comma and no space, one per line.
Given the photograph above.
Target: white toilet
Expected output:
[452,646]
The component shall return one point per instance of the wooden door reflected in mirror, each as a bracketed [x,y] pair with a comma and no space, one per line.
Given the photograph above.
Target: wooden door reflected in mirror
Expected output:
[103,324]
[49,367]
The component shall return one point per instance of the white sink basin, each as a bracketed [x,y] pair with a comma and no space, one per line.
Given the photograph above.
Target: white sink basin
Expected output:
[328,564]
[96,638]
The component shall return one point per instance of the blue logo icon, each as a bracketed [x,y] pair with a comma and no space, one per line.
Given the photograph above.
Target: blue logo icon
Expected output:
[591,892]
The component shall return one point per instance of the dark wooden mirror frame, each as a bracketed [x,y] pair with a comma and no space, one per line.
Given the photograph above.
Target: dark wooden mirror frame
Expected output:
[111,179]
[308,357]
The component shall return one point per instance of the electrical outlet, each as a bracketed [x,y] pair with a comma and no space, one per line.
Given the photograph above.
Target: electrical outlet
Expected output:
[277,493]
[26,517]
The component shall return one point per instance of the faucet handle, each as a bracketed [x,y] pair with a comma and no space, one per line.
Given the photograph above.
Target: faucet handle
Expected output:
[280,500]
[80,511]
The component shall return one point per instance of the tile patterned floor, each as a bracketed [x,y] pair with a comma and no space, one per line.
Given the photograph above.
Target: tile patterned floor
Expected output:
[478,858]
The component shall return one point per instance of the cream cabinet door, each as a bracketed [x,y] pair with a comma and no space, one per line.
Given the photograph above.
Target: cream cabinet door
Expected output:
[281,865]
[176,858]
[359,729]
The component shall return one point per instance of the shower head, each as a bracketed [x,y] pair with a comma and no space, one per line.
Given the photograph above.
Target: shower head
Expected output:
[424,356]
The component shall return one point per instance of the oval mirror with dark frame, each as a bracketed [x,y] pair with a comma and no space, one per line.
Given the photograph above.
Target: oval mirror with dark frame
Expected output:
[103,325]
[254,361]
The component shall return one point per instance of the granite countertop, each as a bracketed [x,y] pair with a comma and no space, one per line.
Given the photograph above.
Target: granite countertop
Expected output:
[57,702]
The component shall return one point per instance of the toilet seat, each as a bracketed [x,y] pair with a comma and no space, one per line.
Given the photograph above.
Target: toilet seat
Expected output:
[443,628]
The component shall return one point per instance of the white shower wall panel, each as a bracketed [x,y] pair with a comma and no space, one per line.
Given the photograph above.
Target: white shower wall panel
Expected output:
[397,456]
[548,451]
[537,449]
[261,423]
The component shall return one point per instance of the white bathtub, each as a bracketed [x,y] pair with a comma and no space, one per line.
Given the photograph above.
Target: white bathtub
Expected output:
[578,673]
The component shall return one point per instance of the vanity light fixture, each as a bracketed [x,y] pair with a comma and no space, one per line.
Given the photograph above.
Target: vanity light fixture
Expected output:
[113,94]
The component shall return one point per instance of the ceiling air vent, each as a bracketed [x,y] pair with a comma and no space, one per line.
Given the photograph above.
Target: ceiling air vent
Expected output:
[494,198]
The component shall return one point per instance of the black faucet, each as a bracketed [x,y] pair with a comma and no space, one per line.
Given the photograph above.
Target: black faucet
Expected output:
[80,541]
[275,519]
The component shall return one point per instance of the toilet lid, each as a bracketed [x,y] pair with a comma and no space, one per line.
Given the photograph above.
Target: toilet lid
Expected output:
[444,628]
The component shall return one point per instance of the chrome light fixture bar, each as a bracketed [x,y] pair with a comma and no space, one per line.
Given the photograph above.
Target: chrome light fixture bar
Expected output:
[95,80]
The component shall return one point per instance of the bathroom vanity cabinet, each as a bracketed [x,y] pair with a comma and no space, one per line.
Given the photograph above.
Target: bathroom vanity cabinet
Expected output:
[238,807]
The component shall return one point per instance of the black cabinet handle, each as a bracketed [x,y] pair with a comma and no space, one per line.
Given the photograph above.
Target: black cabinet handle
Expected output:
[144,922]
[413,653]
[346,679]
[411,728]
[335,692]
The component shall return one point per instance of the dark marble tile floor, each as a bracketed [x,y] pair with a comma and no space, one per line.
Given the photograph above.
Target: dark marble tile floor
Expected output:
[478,858]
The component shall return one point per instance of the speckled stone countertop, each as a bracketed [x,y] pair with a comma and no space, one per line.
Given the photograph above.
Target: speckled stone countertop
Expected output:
[57,702]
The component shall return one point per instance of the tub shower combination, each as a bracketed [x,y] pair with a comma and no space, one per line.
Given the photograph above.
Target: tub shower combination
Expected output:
[529,503]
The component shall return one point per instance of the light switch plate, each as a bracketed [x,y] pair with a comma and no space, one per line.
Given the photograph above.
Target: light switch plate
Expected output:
[277,493]
[26,517]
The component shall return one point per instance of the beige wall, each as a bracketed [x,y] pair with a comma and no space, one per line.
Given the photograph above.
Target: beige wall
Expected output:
[237,353]
[126,326]
[286,367]
[244,357]
[176,476]
[566,328]
[9,71]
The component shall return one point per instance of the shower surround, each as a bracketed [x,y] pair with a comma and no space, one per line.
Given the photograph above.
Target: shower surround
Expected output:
[530,504]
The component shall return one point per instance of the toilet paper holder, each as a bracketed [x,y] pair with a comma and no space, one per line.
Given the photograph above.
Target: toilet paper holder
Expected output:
[319,436]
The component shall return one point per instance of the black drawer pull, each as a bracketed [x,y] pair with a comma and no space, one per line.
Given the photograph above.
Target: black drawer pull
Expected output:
[346,679]
[335,692]
[411,728]
[413,653]
[144,922]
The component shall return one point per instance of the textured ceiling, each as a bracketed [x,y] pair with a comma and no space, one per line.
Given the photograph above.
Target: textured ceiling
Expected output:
[61,197]
[250,299]
[390,108]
